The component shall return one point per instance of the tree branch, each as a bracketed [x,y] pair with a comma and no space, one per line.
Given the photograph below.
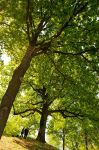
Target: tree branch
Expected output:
[46,45]
[23,116]
[69,113]
[72,54]
[80,8]
[40,27]
[65,76]
[31,110]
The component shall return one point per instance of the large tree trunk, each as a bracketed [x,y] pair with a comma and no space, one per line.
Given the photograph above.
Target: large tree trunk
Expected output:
[42,128]
[13,87]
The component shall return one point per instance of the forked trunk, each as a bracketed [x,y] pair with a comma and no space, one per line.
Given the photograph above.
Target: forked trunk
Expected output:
[13,87]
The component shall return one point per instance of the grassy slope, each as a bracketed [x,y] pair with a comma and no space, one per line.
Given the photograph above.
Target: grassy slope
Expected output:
[14,143]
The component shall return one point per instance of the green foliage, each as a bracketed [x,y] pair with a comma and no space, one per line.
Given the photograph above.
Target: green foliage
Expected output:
[68,69]
[14,126]
[74,133]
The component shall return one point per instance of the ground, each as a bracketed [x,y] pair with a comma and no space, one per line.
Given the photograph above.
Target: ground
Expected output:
[15,143]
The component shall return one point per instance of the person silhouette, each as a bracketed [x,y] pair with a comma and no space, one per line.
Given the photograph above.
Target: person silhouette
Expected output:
[22,132]
[26,131]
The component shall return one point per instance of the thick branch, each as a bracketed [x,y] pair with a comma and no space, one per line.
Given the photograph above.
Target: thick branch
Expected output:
[46,45]
[41,91]
[66,113]
[32,111]
[72,54]
[26,115]
[40,27]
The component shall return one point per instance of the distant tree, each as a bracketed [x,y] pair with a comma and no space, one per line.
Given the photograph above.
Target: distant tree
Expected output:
[79,133]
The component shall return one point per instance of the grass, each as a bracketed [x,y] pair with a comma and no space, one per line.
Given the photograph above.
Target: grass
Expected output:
[15,143]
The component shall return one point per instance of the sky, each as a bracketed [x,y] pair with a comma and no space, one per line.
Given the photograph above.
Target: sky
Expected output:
[5,58]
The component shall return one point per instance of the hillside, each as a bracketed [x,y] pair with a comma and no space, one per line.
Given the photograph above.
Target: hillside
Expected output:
[14,143]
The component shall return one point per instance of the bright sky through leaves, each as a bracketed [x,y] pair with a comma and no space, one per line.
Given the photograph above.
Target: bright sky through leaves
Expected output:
[5,58]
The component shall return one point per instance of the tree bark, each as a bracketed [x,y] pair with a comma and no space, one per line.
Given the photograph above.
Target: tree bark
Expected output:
[13,87]
[42,128]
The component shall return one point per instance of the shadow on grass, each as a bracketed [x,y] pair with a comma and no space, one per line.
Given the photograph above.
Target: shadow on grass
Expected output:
[24,143]
[33,144]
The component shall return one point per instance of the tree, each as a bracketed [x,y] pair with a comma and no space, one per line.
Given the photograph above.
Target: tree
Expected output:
[44,108]
[74,132]
[46,92]
[42,23]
